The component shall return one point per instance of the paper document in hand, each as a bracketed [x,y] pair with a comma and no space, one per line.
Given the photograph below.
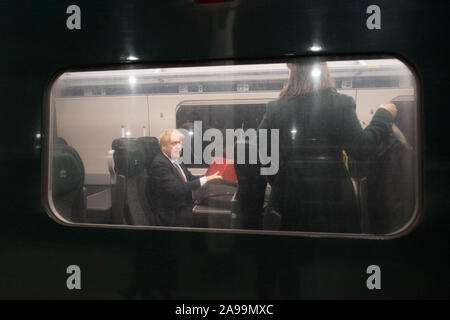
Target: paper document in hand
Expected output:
[224,167]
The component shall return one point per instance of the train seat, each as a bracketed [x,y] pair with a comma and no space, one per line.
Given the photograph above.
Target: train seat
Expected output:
[390,185]
[151,149]
[99,207]
[68,191]
[129,204]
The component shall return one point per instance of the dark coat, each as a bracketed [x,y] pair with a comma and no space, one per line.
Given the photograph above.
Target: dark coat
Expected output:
[312,190]
[170,195]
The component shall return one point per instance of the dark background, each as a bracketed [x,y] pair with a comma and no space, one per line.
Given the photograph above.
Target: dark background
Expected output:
[123,264]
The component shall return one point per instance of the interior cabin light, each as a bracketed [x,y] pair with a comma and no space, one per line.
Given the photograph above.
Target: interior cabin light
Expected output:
[132,80]
[316,73]
[316,48]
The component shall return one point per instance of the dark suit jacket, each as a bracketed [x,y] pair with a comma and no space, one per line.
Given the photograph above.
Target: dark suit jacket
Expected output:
[170,195]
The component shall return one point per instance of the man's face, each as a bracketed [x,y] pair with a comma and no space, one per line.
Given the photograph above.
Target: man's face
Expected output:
[174,147]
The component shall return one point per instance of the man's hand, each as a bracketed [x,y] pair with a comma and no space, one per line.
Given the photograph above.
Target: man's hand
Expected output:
[214,176]
[391,108]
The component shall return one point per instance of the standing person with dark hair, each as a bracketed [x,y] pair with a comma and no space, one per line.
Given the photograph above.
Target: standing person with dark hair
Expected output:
[312,190]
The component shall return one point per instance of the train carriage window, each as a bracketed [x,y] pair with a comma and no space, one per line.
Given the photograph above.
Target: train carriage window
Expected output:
[302,146]
[218,116]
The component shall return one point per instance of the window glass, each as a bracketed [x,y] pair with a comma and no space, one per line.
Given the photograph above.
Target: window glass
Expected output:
[220,117]
[300,146]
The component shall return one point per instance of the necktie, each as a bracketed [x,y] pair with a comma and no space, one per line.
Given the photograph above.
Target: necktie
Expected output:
[180,171]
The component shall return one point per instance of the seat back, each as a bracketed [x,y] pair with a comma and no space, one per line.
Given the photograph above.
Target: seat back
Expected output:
[128,195]
[406,118]
[152,148]
[68,182]
[391,185]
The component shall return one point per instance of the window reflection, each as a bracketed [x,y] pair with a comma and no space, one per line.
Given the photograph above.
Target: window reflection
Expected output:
[300,146]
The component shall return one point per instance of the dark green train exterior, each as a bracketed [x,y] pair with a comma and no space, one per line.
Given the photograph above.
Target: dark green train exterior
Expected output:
[147,264]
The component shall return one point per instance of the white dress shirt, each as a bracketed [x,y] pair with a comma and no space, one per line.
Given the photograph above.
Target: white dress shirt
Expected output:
[178,167]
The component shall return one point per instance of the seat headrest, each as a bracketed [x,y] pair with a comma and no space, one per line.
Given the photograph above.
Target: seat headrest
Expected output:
[129,156]
[59,140]
[151,147]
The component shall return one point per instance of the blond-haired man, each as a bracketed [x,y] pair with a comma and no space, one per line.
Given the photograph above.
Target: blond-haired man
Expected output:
[172,184]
